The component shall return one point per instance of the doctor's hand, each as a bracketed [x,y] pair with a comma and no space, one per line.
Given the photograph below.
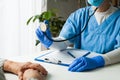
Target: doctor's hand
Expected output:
[42,37]
[84,63]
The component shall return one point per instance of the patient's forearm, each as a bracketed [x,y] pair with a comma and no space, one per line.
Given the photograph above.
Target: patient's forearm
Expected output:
[11,66]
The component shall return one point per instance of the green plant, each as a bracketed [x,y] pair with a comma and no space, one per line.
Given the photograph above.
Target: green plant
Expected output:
[56,22]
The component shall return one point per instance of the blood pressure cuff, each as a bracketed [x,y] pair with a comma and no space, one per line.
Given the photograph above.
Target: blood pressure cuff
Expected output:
[2,76]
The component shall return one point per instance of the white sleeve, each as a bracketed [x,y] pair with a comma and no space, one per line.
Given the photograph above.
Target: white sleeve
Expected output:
[112,57]
[59,45]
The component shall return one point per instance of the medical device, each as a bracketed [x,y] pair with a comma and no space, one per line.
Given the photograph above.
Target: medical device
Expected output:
[44,27]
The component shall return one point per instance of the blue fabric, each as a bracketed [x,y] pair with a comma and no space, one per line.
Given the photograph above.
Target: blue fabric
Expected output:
[95,2]
[97,38]
[43,39]
[83,63]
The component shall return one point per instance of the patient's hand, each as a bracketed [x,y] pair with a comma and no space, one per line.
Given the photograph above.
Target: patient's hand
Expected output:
[31,74]
[19,68]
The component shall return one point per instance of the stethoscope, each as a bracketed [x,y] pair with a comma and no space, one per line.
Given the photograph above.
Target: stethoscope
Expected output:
[44,27]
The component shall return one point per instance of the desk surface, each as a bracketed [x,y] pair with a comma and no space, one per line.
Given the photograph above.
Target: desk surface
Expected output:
[57,72]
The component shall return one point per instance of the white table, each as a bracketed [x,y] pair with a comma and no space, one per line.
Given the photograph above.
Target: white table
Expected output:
[56,72]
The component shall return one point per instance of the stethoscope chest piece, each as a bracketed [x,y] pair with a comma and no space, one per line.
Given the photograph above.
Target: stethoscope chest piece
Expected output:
[43,26]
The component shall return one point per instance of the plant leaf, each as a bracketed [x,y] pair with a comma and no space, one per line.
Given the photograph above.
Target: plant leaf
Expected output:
[29,20]
[36,17]
[37,42]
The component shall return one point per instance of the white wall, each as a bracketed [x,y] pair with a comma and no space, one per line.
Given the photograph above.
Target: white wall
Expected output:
[16,38]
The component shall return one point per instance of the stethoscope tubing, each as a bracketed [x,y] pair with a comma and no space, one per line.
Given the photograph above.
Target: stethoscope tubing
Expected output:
[85,26]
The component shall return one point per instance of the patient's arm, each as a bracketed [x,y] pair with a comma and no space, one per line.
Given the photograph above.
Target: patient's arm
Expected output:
[11,66]
[19,68]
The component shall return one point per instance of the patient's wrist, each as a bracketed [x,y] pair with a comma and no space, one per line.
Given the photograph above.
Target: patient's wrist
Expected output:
[11,66]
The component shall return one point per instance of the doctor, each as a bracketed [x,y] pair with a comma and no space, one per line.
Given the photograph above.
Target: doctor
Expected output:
[102,35]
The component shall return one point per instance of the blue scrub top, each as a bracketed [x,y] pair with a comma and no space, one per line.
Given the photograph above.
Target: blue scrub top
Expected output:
[97,38]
